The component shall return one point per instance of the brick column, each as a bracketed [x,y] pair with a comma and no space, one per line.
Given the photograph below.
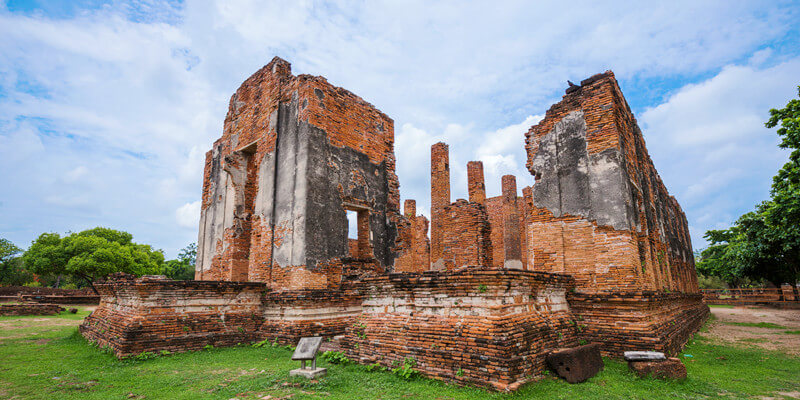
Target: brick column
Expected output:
[475,185]
[364,233]
[511,233]
[410,208]
[440,198]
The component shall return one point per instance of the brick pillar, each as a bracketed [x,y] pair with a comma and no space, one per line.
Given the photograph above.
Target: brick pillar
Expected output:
[475,185]
[364,245]
[511,234]
[410,208]
[440,198]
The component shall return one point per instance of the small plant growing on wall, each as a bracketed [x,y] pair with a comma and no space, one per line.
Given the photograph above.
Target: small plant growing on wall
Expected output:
[407,371]
[482,288]
[335,357]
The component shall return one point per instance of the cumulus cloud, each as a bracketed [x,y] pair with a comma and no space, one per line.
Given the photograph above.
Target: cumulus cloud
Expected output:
[135,91]
[188,215]
[709,142]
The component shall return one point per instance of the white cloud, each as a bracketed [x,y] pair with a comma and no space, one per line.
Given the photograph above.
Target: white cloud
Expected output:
[709,142]
[188,215]
[75,174]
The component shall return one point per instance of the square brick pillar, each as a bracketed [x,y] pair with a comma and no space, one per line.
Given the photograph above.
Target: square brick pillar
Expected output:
[511,229]
[410,208]
[440,198]
[476,185]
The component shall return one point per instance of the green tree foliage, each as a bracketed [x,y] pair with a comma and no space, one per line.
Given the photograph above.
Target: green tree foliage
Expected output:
[7,250]
[92,254]
[182,268]
[11,267]
[765,243]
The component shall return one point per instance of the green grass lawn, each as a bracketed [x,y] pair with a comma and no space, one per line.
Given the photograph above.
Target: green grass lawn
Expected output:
[54,362]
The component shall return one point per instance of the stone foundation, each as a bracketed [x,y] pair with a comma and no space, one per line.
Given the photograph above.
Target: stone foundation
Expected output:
[29,309]
[646,321]
[288,316]
[484,327]
[145,315]
[61,299]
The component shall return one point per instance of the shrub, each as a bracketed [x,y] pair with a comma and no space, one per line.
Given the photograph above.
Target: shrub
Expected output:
[407,371]
[335,357]
[376,367]
[146,355]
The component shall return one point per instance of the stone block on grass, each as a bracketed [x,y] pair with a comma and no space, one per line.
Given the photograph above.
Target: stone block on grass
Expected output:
[577,364]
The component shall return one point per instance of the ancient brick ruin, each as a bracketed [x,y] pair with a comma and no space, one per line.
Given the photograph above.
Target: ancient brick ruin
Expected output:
[596,250]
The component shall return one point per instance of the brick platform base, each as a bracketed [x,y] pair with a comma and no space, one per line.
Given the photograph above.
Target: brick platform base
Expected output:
[290,315]
[61,299]
[143,315]
[489,328]
[30,309]
[638,320]
[485,327]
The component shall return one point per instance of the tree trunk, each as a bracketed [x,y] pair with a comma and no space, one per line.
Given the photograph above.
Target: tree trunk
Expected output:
[91,284]
[780,291]
[58,281]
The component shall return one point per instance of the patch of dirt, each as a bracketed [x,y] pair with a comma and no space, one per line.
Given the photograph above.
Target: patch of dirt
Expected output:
[766,338]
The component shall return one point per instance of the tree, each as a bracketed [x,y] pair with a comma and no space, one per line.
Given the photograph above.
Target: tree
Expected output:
[783,211]
[92,254]
[715,260]
[7,250]
[11,268]
[765,243]
[47,256]
[182,268]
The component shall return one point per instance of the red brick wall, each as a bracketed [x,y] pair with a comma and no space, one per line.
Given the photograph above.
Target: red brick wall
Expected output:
[465,236]
[440,197]
[657,254]
[646,321]
[483,327]
[243,252]
[512,247]
[136,316]
[475,182]
[494,209]
[288,316]
[29,309]
[413,244]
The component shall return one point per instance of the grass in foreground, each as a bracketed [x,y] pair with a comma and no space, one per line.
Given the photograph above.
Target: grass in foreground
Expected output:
[55,362]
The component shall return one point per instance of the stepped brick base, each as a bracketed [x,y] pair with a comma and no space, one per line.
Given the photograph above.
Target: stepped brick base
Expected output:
[489,328]
[288,316]
[646,321]
[485,327]
[145,315]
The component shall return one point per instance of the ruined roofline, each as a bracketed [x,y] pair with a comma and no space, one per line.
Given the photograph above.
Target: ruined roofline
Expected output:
[280,66]
[573,99]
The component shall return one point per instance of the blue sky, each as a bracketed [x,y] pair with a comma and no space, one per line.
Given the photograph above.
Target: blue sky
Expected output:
[107,108]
